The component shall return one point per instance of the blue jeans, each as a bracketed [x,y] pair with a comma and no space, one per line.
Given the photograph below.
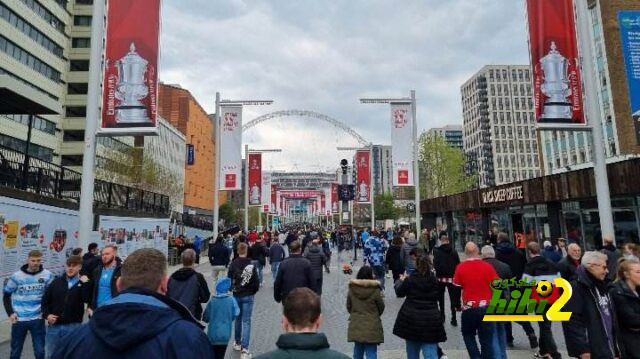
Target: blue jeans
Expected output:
[19,334]
[274,269]
[259,269]
[502,340]
[55,333]
[243,321]
[473,325]
[360,349]
[429,350]
[379,272]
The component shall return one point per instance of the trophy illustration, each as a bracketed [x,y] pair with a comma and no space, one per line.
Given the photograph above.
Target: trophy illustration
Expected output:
[364,191]
[131,89]
[555,86]
[255,194]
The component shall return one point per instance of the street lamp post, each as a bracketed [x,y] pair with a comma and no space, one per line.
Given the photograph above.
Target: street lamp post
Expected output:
[416,175]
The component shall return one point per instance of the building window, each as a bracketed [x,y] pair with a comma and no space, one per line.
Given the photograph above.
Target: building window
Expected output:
[72,160]
[77,88]
[45,14]
[76,111]
[26,28]
[39,123]
[28,60]
[37,151]
[84,2]
[81,42]
[79,65]
[82,20]
[73,135]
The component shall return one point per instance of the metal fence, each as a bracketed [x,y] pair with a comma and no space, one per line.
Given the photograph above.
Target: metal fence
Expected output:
[50,180]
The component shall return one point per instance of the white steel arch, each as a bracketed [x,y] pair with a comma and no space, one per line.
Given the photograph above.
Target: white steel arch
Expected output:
[306,113]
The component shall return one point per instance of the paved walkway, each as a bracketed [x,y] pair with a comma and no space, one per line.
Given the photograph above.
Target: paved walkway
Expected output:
[266,321]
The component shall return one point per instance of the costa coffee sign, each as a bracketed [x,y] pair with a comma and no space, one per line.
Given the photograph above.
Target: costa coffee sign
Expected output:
[502,195]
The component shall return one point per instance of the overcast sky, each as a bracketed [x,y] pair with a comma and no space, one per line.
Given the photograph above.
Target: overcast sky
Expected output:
[324,55]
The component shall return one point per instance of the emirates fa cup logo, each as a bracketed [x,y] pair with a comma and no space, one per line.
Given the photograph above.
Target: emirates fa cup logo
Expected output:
[399,118]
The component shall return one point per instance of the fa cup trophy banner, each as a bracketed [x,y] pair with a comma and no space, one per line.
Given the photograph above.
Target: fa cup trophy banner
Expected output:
[554,59]
[130,73]
[255,178]
[363,176]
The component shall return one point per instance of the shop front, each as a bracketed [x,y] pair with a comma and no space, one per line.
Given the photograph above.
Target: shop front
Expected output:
[545,208]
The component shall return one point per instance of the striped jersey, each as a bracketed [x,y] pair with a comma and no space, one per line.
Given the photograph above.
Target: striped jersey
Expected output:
[26,290]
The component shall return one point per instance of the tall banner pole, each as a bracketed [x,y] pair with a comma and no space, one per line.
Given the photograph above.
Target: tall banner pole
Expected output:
[216,169]
[595,119]
[416,172]
[246,188]
[93,114]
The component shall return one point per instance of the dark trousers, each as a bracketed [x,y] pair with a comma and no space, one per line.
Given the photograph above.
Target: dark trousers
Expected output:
[219,351]
[528,329]
[454,297]
[19,334]
[545,340]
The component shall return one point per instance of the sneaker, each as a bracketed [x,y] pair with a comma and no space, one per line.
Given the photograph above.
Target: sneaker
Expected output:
[454,322]
[245,354]
[533,341]
[237,347]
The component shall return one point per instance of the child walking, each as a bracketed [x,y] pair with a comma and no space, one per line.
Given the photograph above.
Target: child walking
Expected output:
[365,306]
[220,313]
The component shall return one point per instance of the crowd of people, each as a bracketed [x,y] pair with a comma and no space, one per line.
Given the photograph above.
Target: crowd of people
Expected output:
[134,308]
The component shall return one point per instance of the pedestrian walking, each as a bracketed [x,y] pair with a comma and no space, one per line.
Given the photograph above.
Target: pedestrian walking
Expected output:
[613,254]
[326,249]
[474,276]
[419,321]
[445,261]
[592,331]
[219,257]
[365,306]
[219,314]
[550,252]
[90,260]
[258,253]
[245,284]
[141,321]
[393,258]
[63,303]
[301,322]
[276,256]
[504,272]
[294,272]
[374,256]
[105,277]
[569,264]
[626,300]
[539,268]
[316,257]
[409,244]
[23,303]
[188,286]
[197,247]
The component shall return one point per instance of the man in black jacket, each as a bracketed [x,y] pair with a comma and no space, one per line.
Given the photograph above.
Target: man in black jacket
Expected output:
[276,256]
[592,331]
[258,253]
[504,272]
[245,284]
[445,261]
[570,262]
[294,272]
[188,286]
[104,278]
[316,257]
[63,303]
[219,257]
[539,268]
[90,260]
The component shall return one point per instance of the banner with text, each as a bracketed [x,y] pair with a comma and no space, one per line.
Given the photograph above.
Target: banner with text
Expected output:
[274,198]
[630,31]
[334,198]
[300,194]
[363,176]
[255,178]
[266,192]
[230,147]
[557,86]
[402,144]
[129,101]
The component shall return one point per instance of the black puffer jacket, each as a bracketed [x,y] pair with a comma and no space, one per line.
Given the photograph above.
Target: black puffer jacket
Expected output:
[294,272]
[419,318]
[585,332]
[567,268]
[445,261]
[506,252]
[316,256]
[393,259]
[628,309]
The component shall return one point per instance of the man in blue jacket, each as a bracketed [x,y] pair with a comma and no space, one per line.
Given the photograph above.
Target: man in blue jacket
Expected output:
[141,322]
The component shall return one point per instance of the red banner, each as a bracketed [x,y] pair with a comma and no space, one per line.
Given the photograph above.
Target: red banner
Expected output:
[553,46]
[255,178]
[129,103]
[363,176]
[334,198]
[274,197]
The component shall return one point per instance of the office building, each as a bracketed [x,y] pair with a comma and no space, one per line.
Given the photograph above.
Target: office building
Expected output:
[499,136]
[452,134]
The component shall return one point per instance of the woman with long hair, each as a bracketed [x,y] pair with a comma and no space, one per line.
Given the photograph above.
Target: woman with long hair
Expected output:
[419,321]
[393,259]
[626,299]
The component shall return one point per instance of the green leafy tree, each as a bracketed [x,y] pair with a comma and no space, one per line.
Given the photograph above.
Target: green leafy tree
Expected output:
[227,214]
[441,168]
[384,207]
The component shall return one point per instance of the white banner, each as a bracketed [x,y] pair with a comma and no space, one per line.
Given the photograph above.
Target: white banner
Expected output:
[130,234]
[402,144]
[266,191]
[230,147]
